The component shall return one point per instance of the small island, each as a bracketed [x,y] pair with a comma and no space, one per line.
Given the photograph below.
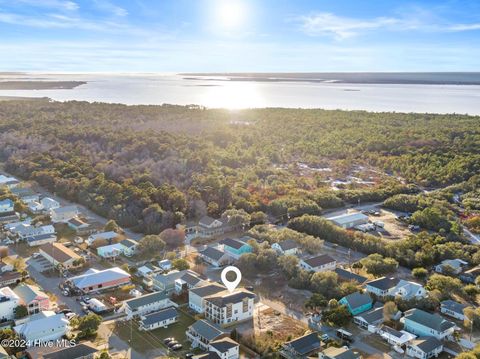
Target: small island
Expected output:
[40,85]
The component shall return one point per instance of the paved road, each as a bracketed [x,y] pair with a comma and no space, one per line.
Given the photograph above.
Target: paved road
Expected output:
[475,239]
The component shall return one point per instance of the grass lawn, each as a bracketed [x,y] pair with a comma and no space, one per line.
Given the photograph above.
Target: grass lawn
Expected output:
[143,342]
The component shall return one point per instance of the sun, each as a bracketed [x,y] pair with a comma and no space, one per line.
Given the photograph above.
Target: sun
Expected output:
[231,14]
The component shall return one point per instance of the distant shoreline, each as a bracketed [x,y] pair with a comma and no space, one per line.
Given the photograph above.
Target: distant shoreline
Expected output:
[40,85]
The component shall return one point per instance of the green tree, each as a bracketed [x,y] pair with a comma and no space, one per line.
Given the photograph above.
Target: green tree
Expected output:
[420,273]
[111,225]
[88,324]
[21,311]
[180,264]
[151,244]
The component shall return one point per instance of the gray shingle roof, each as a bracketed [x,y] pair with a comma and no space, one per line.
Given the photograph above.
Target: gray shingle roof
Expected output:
[454,306]
[237,297]
[319,260]
[384,283]
[136,303]
[305,344]
[340,353]
[77,351]
[129,243]
[207,330]
[191,278]
[427,344]
[161,315]
[234,243]
[288,244]
[224,344]
[373,316]
[209,289]
[212,253]
[358,299]
[346,275]
[433,321]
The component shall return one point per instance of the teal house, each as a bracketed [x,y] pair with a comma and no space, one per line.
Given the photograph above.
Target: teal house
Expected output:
[357,302]
[236,247]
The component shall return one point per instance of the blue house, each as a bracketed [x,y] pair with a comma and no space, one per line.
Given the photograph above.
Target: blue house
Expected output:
[235,247]
[6,206]
[357,303]
[422,323]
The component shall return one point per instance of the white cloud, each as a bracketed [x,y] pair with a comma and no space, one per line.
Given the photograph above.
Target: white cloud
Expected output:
[110,7]
[53,4]
[328,24]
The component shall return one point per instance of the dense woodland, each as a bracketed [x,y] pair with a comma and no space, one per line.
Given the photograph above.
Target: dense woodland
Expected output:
[151,167]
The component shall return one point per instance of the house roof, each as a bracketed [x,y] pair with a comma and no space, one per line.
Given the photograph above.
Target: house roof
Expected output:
[288,244]
[6,292]
[22,192]
[393,332]
[230,298]
[426,344]
[223,345]
[340,353]
[77,222]
[6,202]
[305,344]
[453,306]
[161,315]
[349,276]
[348,217]
[28,292]
[207,221]
[8,276]
[454,263]
[77,351]
[213,253]
[40,321]
[94,277]
[357,299]
[170,277]
[191,278]
[319,260]
[129,243]
[411,288]
[373,316]
[104,235]
[41,237]
[165,263]
[207,330]
[433,321]
[233,243]
[59,252]
[207,290]
[65,209]
[207,355]
[138,302]
[384,283]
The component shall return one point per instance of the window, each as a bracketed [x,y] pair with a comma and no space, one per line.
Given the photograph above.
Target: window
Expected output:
[245,305]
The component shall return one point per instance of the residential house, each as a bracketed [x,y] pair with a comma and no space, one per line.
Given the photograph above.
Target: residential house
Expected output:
[196,296]
[10,278]
[35,207]
[26,195]
[395,337]
[9,182]
[422,323]
[214,256]
[453,309]
[424,348]
[147,270]
[320,263]
[382,287]
[286,247]
[202,333]
[57,253]
[40,239]
[7,207]
[146,304]
[110,251]
[49,203]
[235,247]
[338,353]
[32,297]
[43,327]
[9,300]
[347,276]
[79,226]
[225,348]
[24,231]
[95,279]
[63,214]
[301,347]
[166,282]
[160,319]
[455,266]
[187,281]
[371,319]
[408,290]
[357,302]
[129,247]
[84,350]
[470,276]
[4,267]
[349,220]
[207,227]
[165,264]
[107,236]
[226,308]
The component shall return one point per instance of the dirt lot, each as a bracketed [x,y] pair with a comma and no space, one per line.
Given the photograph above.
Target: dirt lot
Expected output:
[269,319]
[394,230]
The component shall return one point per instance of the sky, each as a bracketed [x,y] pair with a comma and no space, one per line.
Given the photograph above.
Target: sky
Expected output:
[239,35]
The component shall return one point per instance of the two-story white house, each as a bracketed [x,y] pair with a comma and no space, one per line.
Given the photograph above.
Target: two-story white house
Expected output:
[226,308]
[408,290]
[8,302]
[225,348]
[286,247]
[202,333]
[147,303]
[49,203]
[422,323]
[63,214]
[320,263]
[159,319]
[196,296]
[43,327]
[424,348]
[382,287]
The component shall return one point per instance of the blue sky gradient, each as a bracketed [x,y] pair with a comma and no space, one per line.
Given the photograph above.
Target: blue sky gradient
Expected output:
[239,35]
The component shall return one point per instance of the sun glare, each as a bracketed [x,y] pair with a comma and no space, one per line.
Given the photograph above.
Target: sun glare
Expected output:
[231,13]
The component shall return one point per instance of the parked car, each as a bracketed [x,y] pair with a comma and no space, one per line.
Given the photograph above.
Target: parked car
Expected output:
[172,344]
[35,255]
[189,355]
[324,337]
[249,287]
[177,347]
[70,315]
[168,340]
